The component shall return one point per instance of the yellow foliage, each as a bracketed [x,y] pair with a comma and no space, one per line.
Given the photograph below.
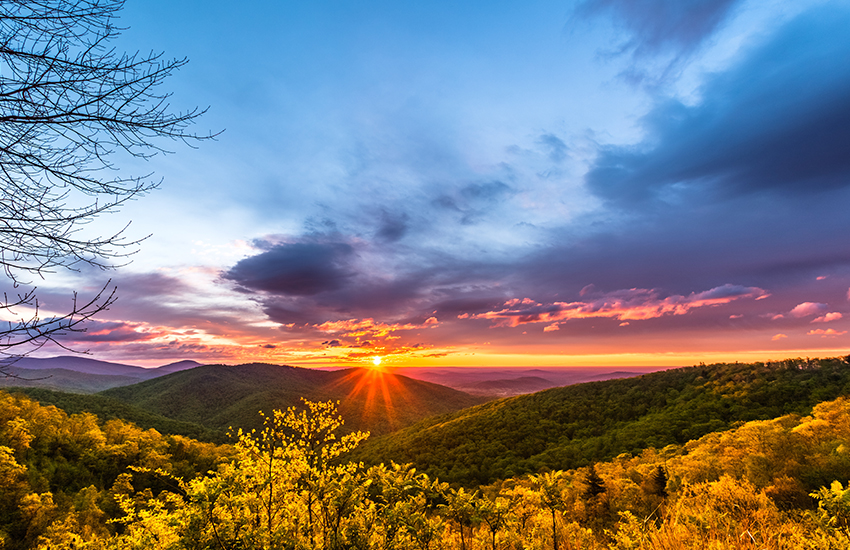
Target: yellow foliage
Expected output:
[288,486]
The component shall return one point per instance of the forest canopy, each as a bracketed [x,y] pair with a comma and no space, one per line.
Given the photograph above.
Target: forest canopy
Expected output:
[74,482]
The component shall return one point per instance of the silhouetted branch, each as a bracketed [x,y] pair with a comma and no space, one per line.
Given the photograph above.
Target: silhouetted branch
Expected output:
[69,103]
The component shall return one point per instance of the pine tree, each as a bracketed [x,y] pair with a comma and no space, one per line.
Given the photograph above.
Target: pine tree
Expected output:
[595,485]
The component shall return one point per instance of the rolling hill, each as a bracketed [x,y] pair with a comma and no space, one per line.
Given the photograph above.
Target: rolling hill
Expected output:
[568,427]
[219,396]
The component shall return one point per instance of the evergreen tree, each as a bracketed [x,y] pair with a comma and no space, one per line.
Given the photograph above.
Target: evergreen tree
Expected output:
[595,485]
[657,483]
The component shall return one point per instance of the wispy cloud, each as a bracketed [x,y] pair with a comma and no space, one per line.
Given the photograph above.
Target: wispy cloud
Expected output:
[669,31]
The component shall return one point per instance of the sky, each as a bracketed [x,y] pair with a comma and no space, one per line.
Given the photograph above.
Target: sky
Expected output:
[540,183]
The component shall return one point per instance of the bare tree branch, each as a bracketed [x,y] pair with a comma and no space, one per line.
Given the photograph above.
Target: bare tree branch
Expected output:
[69,103]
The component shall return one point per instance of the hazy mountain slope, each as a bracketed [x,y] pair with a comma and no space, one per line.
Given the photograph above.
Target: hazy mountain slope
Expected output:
[93,366]
[66,380]
[220,396]
[566,427]
[466,378]
[81,374]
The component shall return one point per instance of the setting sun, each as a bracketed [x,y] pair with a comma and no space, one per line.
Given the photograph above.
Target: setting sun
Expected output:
[376,361]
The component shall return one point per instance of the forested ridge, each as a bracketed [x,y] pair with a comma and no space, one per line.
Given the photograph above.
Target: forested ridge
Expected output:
[572,426]
[221,396]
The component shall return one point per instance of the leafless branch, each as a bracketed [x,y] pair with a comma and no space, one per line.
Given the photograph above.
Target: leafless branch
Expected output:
[69,103]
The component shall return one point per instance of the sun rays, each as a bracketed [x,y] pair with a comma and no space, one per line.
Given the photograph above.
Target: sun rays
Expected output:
[377,391]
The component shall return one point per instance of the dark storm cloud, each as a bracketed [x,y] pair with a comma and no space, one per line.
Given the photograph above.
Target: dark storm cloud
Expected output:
[750,240]
[411,286]
[295,269]
[657,25]
[779,121]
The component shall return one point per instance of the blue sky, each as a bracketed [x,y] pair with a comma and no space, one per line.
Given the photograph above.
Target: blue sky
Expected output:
[650,182]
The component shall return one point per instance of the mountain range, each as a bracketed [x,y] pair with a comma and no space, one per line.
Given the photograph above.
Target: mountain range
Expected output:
[80,374]
[471,439]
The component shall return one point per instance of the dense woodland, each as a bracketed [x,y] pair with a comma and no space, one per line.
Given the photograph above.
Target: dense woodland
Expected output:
[109,408]
[74,481]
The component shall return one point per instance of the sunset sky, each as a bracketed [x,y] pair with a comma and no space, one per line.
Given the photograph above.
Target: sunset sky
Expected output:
[537,183]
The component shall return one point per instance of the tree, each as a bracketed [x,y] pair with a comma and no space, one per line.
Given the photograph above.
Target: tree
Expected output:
[595,485]
[284,488]
[548,485]
[461,507]
[70,105]
[657,483]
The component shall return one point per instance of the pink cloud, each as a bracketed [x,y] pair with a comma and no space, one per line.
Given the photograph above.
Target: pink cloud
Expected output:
[356,328]
[834,316]
[115,331]
[552,327]
[624,305]
[808,308]
[826,333]
[779,337]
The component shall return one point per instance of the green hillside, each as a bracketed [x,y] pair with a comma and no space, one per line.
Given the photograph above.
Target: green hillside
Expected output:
[572,426]
[219,396]
[109,408]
